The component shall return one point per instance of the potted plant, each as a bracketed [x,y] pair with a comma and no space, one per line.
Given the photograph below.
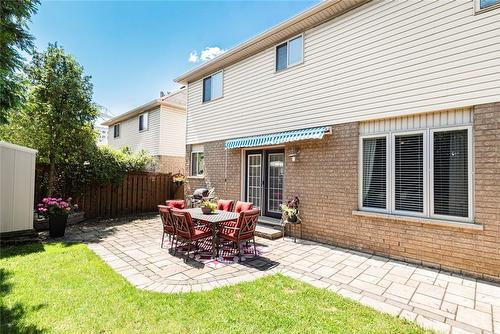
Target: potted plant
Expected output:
[290,210]
[57,210]
[178,179]
[208,205]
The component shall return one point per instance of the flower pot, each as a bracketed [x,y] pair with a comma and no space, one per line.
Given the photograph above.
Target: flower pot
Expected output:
[57,225]
[206,210]
[292,218]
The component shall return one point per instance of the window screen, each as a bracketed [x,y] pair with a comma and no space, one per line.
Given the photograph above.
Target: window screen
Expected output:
[295,51]
[409,173]
[451,183]
[374,173]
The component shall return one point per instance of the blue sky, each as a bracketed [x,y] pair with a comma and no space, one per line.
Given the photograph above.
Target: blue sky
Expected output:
[134,49]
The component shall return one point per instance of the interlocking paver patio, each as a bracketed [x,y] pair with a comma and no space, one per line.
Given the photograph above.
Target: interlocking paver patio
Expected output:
[444,302]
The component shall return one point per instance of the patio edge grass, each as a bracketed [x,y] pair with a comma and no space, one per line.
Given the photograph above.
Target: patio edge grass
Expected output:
[63,287]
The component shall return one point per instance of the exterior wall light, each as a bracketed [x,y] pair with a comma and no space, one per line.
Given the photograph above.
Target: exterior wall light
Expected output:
[294,153]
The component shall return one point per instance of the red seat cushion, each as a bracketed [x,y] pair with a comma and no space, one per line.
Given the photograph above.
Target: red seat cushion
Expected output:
[225,205]
[200,234]
[232,235]
[178,204]
[243,206]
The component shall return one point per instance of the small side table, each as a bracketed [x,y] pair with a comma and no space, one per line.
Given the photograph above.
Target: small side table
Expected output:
[298,223]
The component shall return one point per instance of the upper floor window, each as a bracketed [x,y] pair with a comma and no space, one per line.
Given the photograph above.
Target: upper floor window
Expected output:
[212,87]
[419,173]
[143,122]
[116,130]
[290,53]
[486,4]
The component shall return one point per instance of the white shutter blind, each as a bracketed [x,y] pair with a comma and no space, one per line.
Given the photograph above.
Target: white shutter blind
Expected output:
[451,190]
[409,173]
[374,173]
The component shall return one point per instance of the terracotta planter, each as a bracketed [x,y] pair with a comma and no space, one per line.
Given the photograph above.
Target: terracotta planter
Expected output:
[57,225]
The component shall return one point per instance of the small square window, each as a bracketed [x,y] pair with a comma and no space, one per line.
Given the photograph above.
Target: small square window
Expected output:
[212,87]
[290,53]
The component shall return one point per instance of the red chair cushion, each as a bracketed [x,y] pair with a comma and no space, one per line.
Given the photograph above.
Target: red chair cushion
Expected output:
[225,205]
[178,204]
[200,234]
[232,235]
[243,206]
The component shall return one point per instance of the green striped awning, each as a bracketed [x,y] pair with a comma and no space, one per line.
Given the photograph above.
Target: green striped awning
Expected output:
[277,138]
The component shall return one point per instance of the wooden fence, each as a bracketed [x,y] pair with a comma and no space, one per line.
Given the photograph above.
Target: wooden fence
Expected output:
[138,192]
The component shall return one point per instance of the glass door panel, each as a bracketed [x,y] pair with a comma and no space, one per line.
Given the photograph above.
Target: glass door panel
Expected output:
[254,179]
[275,171]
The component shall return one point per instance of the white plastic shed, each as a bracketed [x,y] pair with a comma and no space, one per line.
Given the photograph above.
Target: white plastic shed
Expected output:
[17,188]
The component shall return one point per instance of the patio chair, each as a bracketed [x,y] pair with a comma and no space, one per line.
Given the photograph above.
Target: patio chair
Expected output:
[243,206]
[168,224]
[178,204]
[244,230]
[186,230]
[225,205]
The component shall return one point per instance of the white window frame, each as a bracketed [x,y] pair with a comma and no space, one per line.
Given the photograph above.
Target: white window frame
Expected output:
[288,65]
[470,173]
[392,162]
[191,171]
[387,173]
[119,130]
[211,87]
[147,121]
[428,143]
[478,10]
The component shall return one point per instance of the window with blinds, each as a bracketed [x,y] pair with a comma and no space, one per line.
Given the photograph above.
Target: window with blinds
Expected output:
[405,175]
[451,182]
[409,173]
[375,173]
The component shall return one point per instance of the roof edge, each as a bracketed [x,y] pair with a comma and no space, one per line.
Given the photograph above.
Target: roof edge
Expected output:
[185,78]
[145,107]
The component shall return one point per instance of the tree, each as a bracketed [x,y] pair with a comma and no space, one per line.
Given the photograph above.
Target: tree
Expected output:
[14,38]
[58,116]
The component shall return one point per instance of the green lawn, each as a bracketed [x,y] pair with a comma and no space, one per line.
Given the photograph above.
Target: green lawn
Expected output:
[66,288]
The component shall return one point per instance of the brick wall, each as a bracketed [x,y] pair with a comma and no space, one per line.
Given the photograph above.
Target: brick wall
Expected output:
[325,177]
[170,164]
[222,171]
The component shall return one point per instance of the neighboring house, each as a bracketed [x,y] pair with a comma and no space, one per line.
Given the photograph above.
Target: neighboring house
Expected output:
[382,116]
[102,137]
[158,127]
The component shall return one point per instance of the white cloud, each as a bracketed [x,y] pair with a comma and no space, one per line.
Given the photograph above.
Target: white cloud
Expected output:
[210,53]
[205,55]
[193,57]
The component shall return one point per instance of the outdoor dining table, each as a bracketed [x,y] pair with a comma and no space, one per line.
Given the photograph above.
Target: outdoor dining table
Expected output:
[213,219]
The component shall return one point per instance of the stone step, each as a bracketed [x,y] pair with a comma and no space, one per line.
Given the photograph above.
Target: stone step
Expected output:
[268,231]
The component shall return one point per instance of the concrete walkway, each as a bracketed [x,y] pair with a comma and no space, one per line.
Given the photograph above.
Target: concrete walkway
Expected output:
[438,300]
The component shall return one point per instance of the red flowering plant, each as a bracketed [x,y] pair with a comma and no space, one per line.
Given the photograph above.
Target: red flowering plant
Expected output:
[52,206]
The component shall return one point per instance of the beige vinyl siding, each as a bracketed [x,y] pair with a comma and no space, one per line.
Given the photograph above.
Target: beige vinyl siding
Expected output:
[173,132]
[383,59]
[131,137]
[441,119]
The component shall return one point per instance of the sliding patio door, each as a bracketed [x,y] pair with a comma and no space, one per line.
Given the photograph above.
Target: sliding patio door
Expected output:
[264,180]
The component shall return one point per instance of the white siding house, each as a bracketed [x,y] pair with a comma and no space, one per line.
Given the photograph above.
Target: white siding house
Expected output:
[157,127]
[382,116]
[382,59]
